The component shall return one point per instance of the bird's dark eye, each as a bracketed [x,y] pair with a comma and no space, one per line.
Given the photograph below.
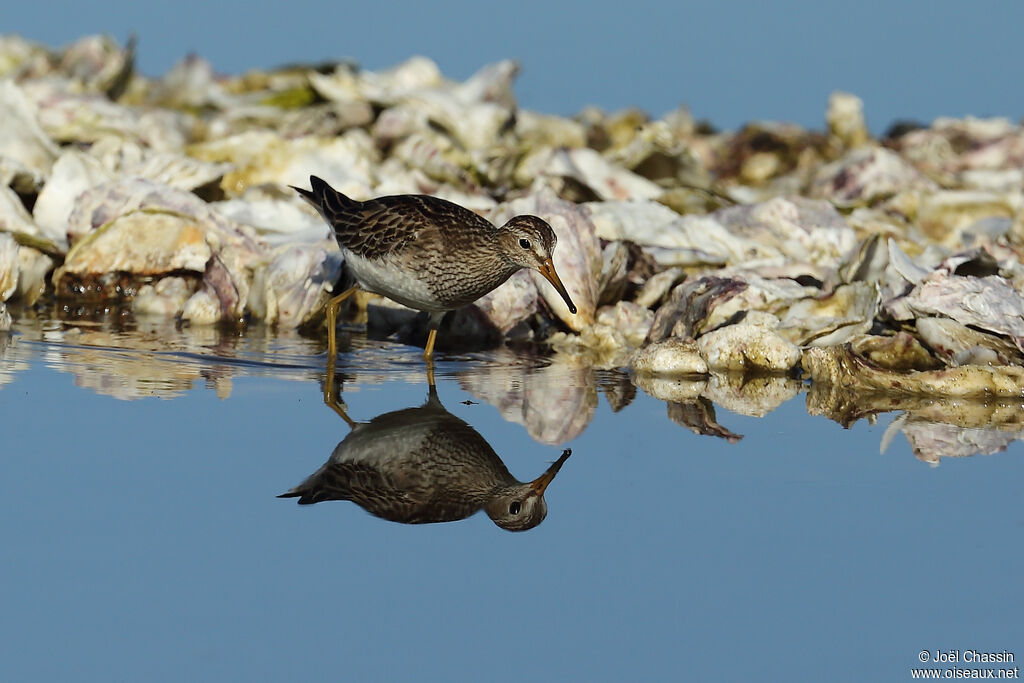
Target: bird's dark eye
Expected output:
[524,243]
[513,509]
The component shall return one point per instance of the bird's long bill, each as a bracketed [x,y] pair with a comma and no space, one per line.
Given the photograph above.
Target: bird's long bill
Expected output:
[547,269]
[541,482]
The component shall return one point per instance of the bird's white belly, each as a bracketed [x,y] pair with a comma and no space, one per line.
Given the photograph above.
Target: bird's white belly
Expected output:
[397,284]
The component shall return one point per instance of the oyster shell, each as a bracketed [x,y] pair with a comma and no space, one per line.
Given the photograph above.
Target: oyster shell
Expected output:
[295,285]
[944,216]
[669,357]
[260,157]
[987,303]
[8,266]
[73,173]
[754,344]
[26,151]
[510,304]
[845,118]
[848,311]
[840,366]
[588,168]
[610,341]
[14,218]
[958,344]
[867,175]
[33,267]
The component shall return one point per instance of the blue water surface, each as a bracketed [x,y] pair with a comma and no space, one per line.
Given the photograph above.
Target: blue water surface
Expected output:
[143,540]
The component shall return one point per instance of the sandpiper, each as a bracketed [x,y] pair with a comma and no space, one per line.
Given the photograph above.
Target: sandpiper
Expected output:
[428,253]
[422,465]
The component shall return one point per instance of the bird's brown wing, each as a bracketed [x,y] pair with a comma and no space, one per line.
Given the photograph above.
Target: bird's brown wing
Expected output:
[389,225]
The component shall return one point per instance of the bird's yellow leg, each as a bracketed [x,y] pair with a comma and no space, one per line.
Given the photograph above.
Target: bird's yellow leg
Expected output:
[430,372]
[428,352]
[329,395]
[332,316]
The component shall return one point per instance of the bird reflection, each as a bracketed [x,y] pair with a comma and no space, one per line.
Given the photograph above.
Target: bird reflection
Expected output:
[423,465]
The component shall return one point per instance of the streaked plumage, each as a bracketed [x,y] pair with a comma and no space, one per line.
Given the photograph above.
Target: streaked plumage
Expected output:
[428,253]
[423,465]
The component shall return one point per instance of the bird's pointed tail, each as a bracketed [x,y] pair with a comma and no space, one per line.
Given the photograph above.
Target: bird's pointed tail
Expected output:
[325,198]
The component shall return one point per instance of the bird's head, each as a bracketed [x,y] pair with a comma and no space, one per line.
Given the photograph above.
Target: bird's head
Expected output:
[528,241]
[522,507]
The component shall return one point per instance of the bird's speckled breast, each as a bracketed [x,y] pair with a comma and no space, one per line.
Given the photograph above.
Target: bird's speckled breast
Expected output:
[433,285]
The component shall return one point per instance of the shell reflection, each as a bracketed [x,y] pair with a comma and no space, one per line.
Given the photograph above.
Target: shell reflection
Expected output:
[424,465]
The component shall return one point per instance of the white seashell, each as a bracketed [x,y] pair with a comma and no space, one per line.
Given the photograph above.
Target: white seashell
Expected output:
[259,157]
[656,152]
[95,62]
[546,130]
[903,264]
[614,271]
[511,303]
[760,294]
[647,223]
[165,299]
[143,242]
[21,57]
[610,341]
[671,357]
[386,87]
[295,285]
[588,167]
[22,140]
[848,311]
[8,266]
[73,173]
[473,125]
[845,118]
[67,116]
[630,321]
[33,266]
[202,308]
[987,303]
[491,83]
[278,221]
[658,285]
[396,123]
[796,228]
[436,156]
[190,84]
[943,216]
[14,217]
[865,175]
[793,228]
[103,203]
[176,170]
[998,180]
[958,344]
[753,344]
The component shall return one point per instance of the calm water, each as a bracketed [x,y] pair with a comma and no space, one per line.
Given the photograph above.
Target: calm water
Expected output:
[143,539]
